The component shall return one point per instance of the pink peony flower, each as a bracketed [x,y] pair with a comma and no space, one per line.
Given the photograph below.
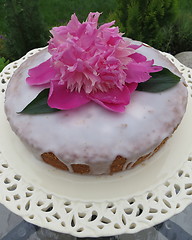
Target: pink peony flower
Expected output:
[91,63]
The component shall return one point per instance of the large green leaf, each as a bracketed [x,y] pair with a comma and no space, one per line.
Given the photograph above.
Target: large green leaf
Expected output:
[160,81]
[39,104]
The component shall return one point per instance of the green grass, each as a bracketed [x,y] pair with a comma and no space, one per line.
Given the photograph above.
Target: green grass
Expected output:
[59,12]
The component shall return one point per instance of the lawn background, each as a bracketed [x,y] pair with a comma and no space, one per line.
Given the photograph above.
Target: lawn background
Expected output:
[58,12]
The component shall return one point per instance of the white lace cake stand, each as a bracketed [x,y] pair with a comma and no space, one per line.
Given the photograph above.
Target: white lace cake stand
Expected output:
[96,206]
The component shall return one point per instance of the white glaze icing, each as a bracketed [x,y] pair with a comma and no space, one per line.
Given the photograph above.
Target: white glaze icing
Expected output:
[91,134]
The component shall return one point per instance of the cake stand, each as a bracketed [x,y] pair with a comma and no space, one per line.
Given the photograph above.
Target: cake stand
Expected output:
[93,206]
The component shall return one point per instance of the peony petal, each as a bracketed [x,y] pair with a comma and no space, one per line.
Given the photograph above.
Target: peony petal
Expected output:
[93,18]
[107,25]
[132,87]
[140,72]
[111,106]
[137,77]
[59,36]
[41,74]
[113,95]
[73,24]
[134,46]
[68,57]
[138,57]
[115,100]
[87,37]
[124,52]
[59,31]
[62,98]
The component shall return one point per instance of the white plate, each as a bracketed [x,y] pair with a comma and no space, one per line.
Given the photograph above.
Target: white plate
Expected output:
[96,206]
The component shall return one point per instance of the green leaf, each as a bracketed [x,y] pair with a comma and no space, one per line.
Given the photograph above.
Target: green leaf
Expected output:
[160,81]
[39,104]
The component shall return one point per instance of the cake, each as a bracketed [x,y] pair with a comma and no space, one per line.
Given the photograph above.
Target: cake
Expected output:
[99,117]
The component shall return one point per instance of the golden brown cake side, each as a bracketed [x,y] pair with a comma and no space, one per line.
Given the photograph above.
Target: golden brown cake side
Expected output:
[117,165]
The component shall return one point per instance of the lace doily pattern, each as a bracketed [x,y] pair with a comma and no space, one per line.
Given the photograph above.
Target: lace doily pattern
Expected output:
[93,219]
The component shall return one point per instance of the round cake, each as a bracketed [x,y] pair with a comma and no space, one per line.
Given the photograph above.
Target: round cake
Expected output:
[91,139]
